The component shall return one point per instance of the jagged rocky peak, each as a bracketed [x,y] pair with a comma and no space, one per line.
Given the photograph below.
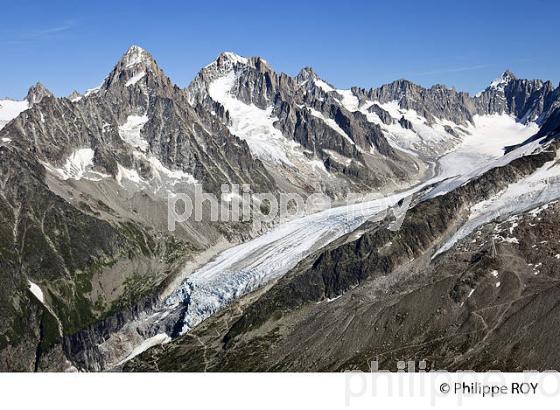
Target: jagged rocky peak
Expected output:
[308,78]
[305,74]
[228,57]
[74,96]
[228,61]
[500,82]
[36,93]
[136,66]
[136,55]
[226,64]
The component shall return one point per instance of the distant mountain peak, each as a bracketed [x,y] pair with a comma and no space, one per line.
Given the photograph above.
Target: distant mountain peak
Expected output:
[305,74]
[502,80]
[228,60]
[36,93]
[136,55]
[136,66]
[74,96]
[308,76]
[232,57]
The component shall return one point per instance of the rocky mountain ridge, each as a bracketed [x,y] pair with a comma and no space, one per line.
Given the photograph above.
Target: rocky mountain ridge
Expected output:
[85,179]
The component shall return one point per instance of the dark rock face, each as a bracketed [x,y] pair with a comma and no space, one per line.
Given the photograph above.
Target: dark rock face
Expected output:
[528,100]
[36,94]
[382,114]
[405,123]
[437,101]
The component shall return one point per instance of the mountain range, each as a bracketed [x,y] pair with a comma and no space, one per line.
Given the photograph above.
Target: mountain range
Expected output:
[92,279]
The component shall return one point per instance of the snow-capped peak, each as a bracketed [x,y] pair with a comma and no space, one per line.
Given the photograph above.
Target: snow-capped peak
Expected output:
[307,74]
[234,58]
[501,81]
[135,65]
[135,55]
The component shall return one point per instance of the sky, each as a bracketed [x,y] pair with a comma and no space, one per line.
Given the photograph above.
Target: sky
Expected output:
[70,45]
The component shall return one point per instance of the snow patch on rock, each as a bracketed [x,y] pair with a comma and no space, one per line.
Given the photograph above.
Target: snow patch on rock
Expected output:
[252,124]
[322,85]
[331,123]
[37,292]
[77,166]
[130,131]
[156,340]
[135,78]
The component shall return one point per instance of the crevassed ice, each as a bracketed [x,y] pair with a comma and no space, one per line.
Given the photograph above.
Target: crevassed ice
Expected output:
[246,267]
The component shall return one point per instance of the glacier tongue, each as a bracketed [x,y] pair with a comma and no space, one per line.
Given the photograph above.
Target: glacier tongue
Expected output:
[246,267]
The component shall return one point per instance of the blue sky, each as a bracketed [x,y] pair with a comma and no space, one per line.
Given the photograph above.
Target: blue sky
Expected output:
[73,44]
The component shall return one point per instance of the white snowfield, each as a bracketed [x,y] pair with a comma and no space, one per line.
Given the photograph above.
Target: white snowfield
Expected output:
[321,84]
[79,165]
[10,109]
[256,127]
[253,124]
[465,163]
[483,149]
[130,131]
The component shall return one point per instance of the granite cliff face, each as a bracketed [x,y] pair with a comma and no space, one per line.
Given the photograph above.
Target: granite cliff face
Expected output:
[87,257]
